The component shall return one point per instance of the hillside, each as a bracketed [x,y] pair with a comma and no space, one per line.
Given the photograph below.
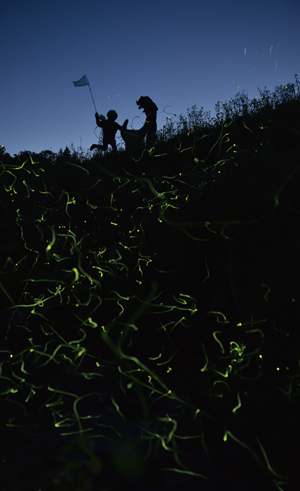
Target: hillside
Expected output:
[150,308]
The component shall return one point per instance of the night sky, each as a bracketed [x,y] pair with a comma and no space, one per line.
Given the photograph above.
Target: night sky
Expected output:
[178,52]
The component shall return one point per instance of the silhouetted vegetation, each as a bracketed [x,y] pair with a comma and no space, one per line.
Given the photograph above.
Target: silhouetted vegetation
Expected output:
[150,307]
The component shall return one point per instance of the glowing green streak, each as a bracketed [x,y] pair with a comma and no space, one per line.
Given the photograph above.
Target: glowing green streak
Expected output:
[31,393]
[76,412]
[49,246]
[165,362]
[22,367]
[182,300]
[41,233]
[169,420]
[239,403]
[225,321]
[50,357]
[76,165]
[58,424]
[267,460]
[228,433]
[18,377]
[28,189]
[218,341]
[92,323]
[55,403]
[176,457]
[267,292]
[192,237]
[181,471]
[117,408]
[85,273]
[7,294]
[247,127]
[39,302]
[61,392]
[207,270]
[203,369]
[11,188]
[225,375]
[76,275]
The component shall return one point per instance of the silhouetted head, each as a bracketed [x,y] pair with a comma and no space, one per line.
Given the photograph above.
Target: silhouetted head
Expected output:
[146,103]
[112,115]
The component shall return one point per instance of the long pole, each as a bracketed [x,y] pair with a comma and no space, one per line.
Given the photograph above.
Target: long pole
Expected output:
[93,98]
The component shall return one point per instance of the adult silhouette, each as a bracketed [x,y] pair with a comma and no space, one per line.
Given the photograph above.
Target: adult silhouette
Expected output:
[134,138]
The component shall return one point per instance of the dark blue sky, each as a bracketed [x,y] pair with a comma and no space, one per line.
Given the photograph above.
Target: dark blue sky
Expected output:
[178,52]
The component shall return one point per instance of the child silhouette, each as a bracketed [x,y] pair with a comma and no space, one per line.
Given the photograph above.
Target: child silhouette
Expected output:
[109,127]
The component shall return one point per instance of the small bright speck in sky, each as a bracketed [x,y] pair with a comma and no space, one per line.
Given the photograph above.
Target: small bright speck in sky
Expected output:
[180,53]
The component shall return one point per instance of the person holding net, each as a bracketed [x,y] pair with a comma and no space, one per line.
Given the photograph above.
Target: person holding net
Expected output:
[109,128]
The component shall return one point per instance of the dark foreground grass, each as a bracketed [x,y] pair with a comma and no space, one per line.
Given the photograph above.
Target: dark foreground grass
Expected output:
[150,309]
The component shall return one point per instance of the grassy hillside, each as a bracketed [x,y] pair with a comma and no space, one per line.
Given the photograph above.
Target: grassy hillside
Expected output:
[150,308]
